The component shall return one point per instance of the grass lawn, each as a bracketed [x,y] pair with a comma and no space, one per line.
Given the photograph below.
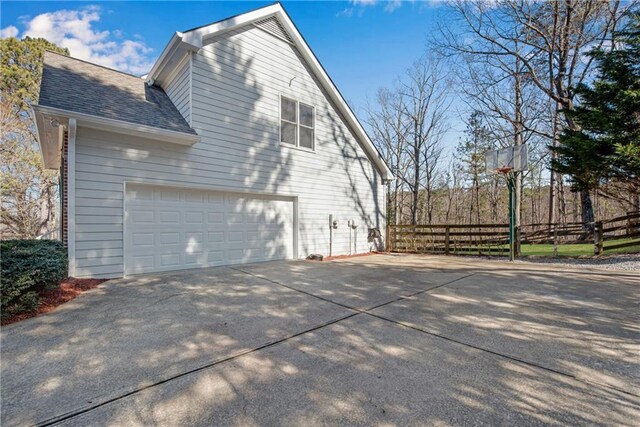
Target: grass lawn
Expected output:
[582,249]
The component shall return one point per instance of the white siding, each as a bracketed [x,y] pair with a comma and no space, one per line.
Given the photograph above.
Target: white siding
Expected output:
[178,89]
[237,81]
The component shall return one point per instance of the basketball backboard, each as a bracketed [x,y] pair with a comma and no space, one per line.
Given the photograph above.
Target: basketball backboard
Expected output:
[507,159]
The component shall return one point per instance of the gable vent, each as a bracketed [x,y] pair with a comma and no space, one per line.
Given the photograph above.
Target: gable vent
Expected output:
[274,27]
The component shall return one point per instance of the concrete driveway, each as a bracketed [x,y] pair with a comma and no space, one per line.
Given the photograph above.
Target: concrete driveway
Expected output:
[383,340]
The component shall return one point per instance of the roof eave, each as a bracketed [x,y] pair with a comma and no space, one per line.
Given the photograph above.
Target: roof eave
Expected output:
[113,125]
[49,136]
[175,50]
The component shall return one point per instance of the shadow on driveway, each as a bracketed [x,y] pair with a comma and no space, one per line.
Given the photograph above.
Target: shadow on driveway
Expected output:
[295,343]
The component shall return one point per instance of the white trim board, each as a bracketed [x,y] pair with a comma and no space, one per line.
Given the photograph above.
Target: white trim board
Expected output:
[71,196]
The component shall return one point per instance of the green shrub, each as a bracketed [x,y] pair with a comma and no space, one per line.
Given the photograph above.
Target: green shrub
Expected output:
[28,267]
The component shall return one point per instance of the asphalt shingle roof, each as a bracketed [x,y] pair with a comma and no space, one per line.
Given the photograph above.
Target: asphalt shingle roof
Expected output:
[75,85]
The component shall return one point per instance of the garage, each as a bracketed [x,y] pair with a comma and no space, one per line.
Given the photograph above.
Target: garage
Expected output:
[168,228]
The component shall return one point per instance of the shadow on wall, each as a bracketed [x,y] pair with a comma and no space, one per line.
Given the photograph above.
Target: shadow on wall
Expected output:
[250,141]
[239,152]
[356,166]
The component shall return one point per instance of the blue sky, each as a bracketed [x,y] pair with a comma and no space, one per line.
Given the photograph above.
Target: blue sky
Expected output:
[363,44]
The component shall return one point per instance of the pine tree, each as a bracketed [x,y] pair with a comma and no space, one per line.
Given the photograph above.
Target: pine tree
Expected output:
[606,146]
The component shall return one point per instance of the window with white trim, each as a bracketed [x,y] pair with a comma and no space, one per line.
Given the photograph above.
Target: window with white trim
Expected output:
[297,123]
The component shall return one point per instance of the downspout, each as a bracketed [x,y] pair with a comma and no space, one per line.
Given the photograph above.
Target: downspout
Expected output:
[71,197]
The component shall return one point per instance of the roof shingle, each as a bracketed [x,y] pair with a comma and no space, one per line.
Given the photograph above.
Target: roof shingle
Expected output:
[74,85]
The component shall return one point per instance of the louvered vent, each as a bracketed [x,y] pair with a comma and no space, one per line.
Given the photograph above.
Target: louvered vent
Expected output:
[273,26]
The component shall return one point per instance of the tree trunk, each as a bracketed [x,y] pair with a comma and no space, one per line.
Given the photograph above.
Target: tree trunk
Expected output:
[553,178]
[587,211]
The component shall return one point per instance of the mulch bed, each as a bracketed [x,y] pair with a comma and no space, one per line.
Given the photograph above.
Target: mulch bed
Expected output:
[68,290]
[335,257]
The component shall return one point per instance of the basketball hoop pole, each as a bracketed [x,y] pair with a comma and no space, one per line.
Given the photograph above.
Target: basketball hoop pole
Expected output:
[508,161]
[511,185]
[509,176]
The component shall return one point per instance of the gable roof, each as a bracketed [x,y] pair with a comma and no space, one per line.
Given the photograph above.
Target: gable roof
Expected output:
[194,39]
[78,86]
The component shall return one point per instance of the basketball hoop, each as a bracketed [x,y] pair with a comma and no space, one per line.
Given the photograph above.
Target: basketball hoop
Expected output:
[504,161]
[504,169]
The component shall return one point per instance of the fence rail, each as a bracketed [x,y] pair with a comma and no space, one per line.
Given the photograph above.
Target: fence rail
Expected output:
[494,238]
[608,233]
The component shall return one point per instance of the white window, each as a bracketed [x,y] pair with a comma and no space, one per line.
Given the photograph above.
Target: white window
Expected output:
[297,123]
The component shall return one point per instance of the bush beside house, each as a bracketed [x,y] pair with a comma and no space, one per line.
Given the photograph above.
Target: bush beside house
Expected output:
[29,267]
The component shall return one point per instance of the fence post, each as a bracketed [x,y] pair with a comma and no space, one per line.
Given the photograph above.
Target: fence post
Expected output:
[446,240]
[555,239]
[388,243]
[598,236]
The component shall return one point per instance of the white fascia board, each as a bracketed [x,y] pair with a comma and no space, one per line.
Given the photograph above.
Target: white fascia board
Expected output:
[50,143]
[119,126]
[198,36]
[169,49]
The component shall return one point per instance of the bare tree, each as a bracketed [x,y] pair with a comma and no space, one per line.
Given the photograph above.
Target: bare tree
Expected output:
[424,90]
[408,125]
[389,135]
[513,113]
[548,39]
[28,189]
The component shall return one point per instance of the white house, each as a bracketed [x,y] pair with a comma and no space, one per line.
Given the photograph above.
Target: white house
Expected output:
[237,147]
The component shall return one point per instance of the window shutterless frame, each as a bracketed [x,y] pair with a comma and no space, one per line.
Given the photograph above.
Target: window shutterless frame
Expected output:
[298,123]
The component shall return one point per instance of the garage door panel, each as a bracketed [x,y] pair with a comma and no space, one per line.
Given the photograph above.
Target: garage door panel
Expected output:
[194,197]
[215,236]
[168,229]
[215,257]
[142,239]
[169,238]
[142,217]
[142,262]
[194,259]
[194,217]
[170,195]
[214,218]
[169,217]
[170,260]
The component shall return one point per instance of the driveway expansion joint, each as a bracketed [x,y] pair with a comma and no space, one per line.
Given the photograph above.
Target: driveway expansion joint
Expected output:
[75,413]
[355,312]
[275,282]
[423,291]
[358,310]
[504,356]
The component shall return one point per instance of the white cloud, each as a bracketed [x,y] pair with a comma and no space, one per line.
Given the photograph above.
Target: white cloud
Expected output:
[358,6]
[392,5]
[77,31]
[9,31]
[364,2]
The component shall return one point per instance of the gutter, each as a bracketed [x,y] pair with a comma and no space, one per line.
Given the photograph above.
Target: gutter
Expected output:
[121,126]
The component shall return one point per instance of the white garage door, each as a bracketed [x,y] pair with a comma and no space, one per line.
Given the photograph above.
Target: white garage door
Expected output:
[171,229]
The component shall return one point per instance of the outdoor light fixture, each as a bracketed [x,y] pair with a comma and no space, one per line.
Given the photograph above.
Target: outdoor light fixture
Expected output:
[54,123]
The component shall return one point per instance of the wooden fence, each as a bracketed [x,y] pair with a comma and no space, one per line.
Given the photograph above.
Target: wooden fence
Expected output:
[449,238]
[493,239]
[608,234]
